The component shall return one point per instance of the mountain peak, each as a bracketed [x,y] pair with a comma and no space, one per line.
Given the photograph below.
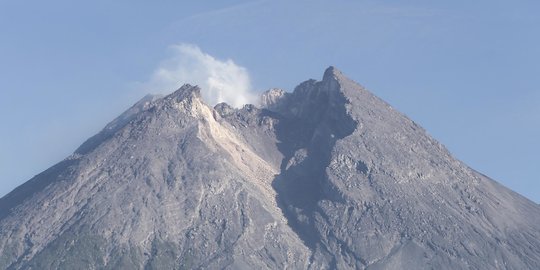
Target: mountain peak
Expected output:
[186,91]
[331,73]
[326,177]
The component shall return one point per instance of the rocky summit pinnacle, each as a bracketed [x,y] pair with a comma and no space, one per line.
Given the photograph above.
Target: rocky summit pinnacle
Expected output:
[331,72]
[325,177]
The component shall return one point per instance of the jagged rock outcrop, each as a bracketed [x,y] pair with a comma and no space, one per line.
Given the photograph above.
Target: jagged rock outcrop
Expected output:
[326,177]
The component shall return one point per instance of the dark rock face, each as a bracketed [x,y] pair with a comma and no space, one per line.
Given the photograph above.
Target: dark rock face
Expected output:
[326,177]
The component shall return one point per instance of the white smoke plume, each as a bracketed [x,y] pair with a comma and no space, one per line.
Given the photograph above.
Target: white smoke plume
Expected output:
[220,81]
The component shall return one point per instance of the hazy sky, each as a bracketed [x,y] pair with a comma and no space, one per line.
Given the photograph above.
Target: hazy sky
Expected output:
[468,71]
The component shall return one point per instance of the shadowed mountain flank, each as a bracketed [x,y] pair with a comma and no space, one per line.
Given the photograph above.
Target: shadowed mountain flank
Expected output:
[315,119]
[326,177]
[365,187]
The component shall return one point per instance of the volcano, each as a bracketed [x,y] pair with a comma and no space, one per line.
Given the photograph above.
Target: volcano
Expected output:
[325,177]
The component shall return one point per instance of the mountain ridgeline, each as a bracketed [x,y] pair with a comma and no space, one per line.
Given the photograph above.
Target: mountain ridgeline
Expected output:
[326,177]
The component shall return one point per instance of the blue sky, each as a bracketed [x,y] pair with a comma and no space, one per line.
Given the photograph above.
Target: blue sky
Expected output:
[467,71]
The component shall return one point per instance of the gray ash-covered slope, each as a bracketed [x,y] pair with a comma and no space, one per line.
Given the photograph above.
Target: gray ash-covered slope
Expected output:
[166,185]
[328,176]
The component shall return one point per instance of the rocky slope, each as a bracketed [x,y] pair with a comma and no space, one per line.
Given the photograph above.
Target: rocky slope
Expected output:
[326,177]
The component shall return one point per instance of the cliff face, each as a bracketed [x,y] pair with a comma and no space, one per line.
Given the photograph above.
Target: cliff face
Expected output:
[328,176]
